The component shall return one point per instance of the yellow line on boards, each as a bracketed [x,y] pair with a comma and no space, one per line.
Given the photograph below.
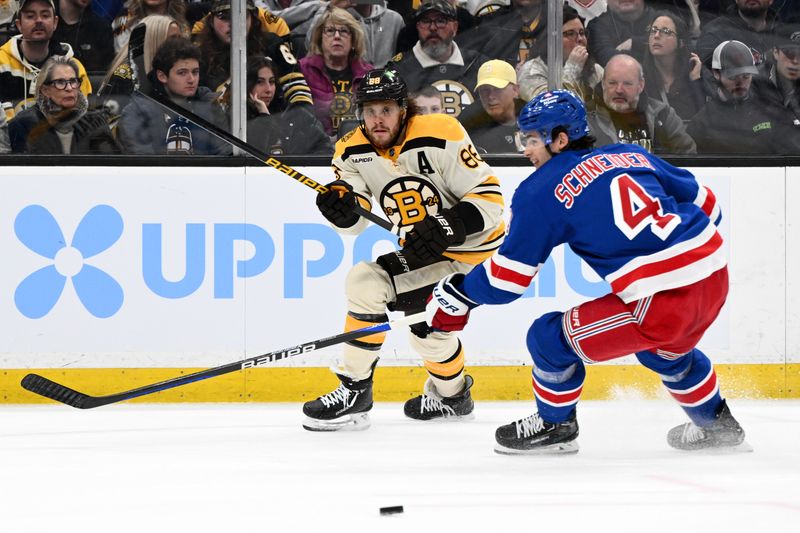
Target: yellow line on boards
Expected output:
[603,382]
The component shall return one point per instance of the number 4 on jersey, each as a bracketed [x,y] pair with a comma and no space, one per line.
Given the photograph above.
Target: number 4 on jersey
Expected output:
[635,209]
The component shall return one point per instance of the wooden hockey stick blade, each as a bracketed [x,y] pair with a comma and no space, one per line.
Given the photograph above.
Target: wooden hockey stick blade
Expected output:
[55,391]
[266,159]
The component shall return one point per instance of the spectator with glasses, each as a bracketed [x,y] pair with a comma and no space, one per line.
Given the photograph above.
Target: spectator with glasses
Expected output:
[580,73]
[334,68]
[381,27]
[438,60]
[672,73]
[409,35]
[22,57]
[60,122]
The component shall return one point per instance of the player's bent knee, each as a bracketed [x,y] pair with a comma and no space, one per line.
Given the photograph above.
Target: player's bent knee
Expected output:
[546,342]
[367,282]
[436,346]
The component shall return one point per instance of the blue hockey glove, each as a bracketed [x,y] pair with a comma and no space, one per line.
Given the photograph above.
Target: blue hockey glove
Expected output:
[338,204]
[434,234]
[448,308]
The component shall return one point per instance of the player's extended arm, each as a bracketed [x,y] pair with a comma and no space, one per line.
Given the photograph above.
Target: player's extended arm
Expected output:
[448,307]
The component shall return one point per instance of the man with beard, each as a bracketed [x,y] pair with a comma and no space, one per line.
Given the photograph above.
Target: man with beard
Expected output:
[619,113]
[737,120]
[23,55]
[751,22]
[428,179]
[437,60]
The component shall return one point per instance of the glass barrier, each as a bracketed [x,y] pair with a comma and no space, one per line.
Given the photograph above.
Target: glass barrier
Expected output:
[707,78]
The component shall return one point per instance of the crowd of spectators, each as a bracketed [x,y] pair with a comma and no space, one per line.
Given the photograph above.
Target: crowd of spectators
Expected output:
[674,76]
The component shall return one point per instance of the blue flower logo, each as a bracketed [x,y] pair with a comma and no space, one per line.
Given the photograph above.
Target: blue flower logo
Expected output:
[99,293]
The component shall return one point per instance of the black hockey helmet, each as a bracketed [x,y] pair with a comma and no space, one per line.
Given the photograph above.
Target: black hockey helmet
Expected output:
[382,84]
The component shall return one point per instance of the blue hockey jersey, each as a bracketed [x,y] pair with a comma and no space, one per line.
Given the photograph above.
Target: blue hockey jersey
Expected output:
[642,224]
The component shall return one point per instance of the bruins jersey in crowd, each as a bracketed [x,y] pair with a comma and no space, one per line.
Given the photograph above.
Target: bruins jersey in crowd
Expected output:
[433,167]
[454,80]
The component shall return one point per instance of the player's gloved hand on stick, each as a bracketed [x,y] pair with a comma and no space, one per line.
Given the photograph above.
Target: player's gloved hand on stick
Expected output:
[434,234]
[338,204]
[448,308]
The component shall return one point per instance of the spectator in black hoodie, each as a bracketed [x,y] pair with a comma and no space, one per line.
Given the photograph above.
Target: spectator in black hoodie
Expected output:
[272,129]
[147,128]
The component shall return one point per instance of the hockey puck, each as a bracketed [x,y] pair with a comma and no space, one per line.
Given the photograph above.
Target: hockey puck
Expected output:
[396,509]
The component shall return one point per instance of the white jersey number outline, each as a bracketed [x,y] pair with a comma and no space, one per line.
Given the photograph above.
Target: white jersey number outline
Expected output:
[635,209]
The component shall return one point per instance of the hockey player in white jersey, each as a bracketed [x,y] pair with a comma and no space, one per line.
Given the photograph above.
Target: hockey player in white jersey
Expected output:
[647,228]
[427,178]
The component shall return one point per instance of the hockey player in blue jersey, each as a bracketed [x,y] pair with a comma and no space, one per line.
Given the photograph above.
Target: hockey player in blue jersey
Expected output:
[647,228]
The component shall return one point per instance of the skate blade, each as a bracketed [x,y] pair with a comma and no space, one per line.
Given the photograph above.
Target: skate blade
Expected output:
[445,419]
[355,422]
[743,447]
[562,448]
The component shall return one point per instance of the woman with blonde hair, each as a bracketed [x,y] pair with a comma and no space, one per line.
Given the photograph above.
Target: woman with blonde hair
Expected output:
[60,122]
[334,67]
[119,81]
[135,10]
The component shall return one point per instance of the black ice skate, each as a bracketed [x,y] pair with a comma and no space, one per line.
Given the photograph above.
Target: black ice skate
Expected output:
[724,434]
[432,406]
[534,435]
[346,408]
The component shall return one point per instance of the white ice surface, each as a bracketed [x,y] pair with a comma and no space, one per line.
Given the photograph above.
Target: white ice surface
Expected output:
[252,468]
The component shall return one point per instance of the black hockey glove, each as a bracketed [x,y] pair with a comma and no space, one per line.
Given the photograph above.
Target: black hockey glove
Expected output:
[338,204]
[433,235]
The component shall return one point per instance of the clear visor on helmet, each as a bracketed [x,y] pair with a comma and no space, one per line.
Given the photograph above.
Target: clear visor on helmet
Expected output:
[527,139]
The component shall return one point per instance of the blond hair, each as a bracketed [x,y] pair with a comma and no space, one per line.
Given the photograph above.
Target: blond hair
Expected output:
[155,35]
[340,17]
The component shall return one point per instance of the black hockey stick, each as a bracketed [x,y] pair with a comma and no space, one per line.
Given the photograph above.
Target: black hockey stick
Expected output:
[265,158]
[142,86]
[55,391]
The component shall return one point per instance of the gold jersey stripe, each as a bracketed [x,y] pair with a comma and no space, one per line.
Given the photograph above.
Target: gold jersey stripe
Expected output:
[447,369]
[352,324]
[436,125]
[476,257]
[494,197]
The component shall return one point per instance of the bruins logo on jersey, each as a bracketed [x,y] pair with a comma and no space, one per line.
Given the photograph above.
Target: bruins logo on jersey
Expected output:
[407,200]
[455,96]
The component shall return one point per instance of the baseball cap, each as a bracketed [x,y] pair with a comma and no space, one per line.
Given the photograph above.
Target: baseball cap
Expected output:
[23,2]
[787,35]
[733,58]
[442,6]
[496,73]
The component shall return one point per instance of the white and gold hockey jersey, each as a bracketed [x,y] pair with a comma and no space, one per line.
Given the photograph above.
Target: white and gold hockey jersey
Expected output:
[433,167]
